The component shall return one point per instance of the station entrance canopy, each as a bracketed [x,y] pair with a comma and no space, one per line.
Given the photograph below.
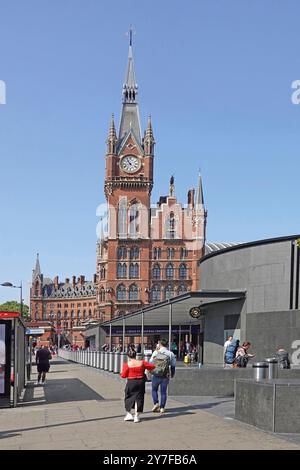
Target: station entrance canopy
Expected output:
[178,311]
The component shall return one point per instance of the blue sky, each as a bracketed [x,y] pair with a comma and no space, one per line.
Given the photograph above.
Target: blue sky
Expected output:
[216,77]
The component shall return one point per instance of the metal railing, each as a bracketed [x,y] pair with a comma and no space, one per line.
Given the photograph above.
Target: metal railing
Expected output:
[108,361]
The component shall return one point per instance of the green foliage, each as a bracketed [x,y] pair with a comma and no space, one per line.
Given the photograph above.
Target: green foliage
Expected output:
[14,306]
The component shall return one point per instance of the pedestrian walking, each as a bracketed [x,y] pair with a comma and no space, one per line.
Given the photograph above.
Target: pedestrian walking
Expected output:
[134,371]
[242,355]
[165,365]
[226,344]
[43,357]
[230,353]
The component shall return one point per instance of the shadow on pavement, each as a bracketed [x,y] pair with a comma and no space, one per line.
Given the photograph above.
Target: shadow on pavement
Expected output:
[59,391]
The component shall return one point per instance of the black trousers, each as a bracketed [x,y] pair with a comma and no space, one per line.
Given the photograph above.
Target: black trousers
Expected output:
[135,393]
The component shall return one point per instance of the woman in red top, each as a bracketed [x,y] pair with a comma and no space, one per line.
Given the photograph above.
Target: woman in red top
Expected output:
[134,371]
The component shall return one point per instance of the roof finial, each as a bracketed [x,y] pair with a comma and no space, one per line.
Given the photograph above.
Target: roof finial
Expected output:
[172,187]
[130,35]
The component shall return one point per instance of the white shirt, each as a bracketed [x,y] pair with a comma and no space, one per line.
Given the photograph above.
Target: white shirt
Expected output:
[226,344]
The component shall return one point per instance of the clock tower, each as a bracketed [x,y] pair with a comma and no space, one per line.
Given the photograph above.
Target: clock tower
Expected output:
[123,279]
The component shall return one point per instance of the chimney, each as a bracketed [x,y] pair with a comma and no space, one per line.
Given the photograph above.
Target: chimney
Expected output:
[55,281]
[81,279]
[74,281]
[67,280]
[191,198]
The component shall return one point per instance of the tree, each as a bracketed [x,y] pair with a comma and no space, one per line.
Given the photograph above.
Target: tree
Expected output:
[14,306]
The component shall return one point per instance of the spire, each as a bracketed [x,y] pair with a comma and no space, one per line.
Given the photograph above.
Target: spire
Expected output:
[199,193]
[172,187]
[130,111]
[149,139]
[37,271]
[112,136]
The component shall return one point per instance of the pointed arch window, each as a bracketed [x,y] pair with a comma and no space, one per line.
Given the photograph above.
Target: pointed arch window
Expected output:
[122,252]
[102,294]
[133,292]
[183,253]
[170,253]
[72,314]
[156,271]
[171,226]
[134,219]
[122,218]
[84,314]
[182,271]
[65,314]
[121,270]
[59,314]
[170,271]
[121,292]
[169,292]
[156,253]
[134,252]
[133,270]
[155,294]
[102,272]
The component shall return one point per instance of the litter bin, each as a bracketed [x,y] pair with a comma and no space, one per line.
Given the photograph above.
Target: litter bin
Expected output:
[260,370]
[111,361]
[273,368]
[117,363]
[106,360]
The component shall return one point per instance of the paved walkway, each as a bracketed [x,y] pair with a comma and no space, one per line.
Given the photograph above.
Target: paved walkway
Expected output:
[82,408]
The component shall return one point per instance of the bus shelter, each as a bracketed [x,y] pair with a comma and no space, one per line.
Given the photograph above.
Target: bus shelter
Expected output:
[12,358]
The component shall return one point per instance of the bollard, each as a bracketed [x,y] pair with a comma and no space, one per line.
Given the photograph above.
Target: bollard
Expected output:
[97,359]
[111,362]
[117,363]
[106,360]
[273,368]
[102,359]
[260,371]
[123,358]
[94,359]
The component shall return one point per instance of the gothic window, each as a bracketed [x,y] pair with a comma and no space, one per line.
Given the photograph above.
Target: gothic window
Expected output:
[182,289]
[155,294]
[72,314]
[122,218]
[156,271]
[44,314]
[183,253]
[102,295]
[169,271]
[134,252]
[90,313]
[66,314]
[133,292]
[59,314]
[133,270]
[134,216]
[170,253]
[78,313]
[102,272]
[182,271]
[121,270]
[171,226]
[169,292]
[121,292]
[122,252]
[84,313]
[156,253]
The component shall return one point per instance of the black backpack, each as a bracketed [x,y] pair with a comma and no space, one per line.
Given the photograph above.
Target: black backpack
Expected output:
[162,365]
[241,361]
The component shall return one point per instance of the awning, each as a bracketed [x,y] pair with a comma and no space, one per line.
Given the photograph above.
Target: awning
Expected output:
[180,306]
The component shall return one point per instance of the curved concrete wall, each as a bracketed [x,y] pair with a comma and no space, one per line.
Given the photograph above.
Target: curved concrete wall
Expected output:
[263,270]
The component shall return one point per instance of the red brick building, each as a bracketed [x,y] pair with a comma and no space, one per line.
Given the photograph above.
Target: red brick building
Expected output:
[145,253]
[69,305]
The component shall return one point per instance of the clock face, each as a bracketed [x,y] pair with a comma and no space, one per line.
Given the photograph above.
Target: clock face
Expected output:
[130,163]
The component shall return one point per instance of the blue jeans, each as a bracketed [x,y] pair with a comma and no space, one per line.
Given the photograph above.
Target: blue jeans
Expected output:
[163,383]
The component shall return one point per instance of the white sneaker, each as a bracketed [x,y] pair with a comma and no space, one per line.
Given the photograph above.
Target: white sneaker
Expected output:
[155,408]
[128,417]
[162,411]
[37,383]
[136,419]
[44,383]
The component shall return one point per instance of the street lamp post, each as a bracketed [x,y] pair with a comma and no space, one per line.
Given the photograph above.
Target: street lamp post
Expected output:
[16,365]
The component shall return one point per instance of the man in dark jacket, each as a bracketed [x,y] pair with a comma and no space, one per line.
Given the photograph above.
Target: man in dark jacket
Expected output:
[43,357]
